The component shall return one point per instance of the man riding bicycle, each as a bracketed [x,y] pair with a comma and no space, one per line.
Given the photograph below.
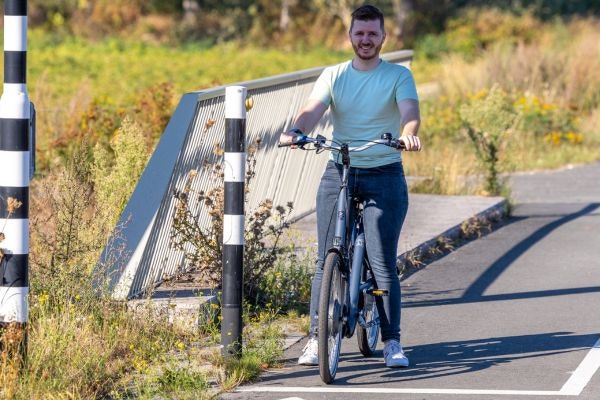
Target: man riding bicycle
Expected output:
[366,97]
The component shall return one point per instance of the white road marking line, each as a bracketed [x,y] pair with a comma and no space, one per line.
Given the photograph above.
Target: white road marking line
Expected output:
[337,389]
[584,372]
[573,387]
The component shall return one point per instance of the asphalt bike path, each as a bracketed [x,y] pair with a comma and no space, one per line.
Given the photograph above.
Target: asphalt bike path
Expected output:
[512,315]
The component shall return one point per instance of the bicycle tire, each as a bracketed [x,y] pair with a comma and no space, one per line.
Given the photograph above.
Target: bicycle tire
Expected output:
[331,312]
[368,335]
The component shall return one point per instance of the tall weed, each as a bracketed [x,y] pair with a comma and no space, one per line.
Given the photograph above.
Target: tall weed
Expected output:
[120,167]
[488,120]
[64,240]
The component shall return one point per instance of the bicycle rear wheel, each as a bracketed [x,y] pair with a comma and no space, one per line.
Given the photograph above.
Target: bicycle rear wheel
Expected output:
[331,312]
[368,335]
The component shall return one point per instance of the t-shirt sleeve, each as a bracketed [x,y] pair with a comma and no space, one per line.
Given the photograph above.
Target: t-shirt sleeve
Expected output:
[406,87]
[322,89]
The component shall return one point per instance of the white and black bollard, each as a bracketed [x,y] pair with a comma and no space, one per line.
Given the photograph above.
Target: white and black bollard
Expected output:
[233,221]
[15,158]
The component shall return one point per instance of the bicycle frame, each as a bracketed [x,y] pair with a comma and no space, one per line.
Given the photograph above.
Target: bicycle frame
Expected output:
[355,247]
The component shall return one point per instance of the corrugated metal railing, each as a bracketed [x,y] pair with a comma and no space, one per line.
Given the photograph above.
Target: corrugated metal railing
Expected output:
[141,256]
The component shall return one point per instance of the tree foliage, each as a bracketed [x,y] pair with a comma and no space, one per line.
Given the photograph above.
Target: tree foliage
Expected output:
[268,22]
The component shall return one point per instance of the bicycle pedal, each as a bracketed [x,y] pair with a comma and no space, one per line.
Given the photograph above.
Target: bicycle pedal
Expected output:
[378,292]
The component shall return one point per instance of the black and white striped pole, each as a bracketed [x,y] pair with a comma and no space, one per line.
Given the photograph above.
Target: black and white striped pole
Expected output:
[15,163]
[233,221]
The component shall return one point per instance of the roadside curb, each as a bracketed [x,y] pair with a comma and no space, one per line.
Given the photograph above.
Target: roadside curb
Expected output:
[418,257]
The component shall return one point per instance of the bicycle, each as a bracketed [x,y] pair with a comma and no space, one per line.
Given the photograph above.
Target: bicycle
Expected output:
[348,288]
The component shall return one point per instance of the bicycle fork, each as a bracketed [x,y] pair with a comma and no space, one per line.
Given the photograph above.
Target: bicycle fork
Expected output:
[356,272]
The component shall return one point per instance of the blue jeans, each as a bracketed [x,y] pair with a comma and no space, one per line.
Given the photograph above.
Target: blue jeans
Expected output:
[384,193]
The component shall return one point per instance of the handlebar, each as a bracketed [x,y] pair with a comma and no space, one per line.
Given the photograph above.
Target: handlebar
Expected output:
[321,143]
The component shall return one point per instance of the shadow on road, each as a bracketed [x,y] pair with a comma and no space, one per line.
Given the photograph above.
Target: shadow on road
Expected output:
[474,293]
[452,358]
[437,360]
[492,273]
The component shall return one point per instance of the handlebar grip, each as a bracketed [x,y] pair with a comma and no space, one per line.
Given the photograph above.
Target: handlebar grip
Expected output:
[291,138]
[287,139]
[397,144]
[394,143]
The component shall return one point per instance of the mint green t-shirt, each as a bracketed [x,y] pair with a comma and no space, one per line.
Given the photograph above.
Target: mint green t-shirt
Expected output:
[363,105]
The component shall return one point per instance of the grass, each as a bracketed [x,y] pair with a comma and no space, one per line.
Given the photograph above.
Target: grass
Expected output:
[98,349]
[83,349]
[116,69]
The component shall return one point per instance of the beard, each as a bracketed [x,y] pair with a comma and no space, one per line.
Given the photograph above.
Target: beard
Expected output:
[372,52]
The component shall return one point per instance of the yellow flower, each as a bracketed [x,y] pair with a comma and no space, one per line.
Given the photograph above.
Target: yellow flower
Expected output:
[521,101]
[553,138]
[43,298]
[479,95]
[574,137]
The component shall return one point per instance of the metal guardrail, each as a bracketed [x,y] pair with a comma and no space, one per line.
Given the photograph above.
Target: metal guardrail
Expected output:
[140,256]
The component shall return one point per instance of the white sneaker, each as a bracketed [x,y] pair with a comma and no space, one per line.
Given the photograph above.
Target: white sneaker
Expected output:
[310,353]
[394,355]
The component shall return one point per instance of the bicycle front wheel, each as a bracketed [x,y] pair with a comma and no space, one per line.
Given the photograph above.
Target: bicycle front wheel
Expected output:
[331,313]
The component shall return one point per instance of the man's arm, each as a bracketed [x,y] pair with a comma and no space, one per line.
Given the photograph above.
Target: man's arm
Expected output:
[411,120]
[310,115]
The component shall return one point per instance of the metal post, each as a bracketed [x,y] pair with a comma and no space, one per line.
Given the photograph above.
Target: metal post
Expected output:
[233,221]
[14,169]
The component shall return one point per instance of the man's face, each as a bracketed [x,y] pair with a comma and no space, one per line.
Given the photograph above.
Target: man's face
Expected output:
[367,38]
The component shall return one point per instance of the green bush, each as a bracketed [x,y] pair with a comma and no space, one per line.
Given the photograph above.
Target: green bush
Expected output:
[286,286]
[431,46]
[203,246]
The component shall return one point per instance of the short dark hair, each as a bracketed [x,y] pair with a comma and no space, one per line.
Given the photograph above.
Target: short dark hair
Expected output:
[367,13]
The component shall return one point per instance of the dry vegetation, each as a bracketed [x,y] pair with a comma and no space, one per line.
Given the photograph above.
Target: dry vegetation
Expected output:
[553,83]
